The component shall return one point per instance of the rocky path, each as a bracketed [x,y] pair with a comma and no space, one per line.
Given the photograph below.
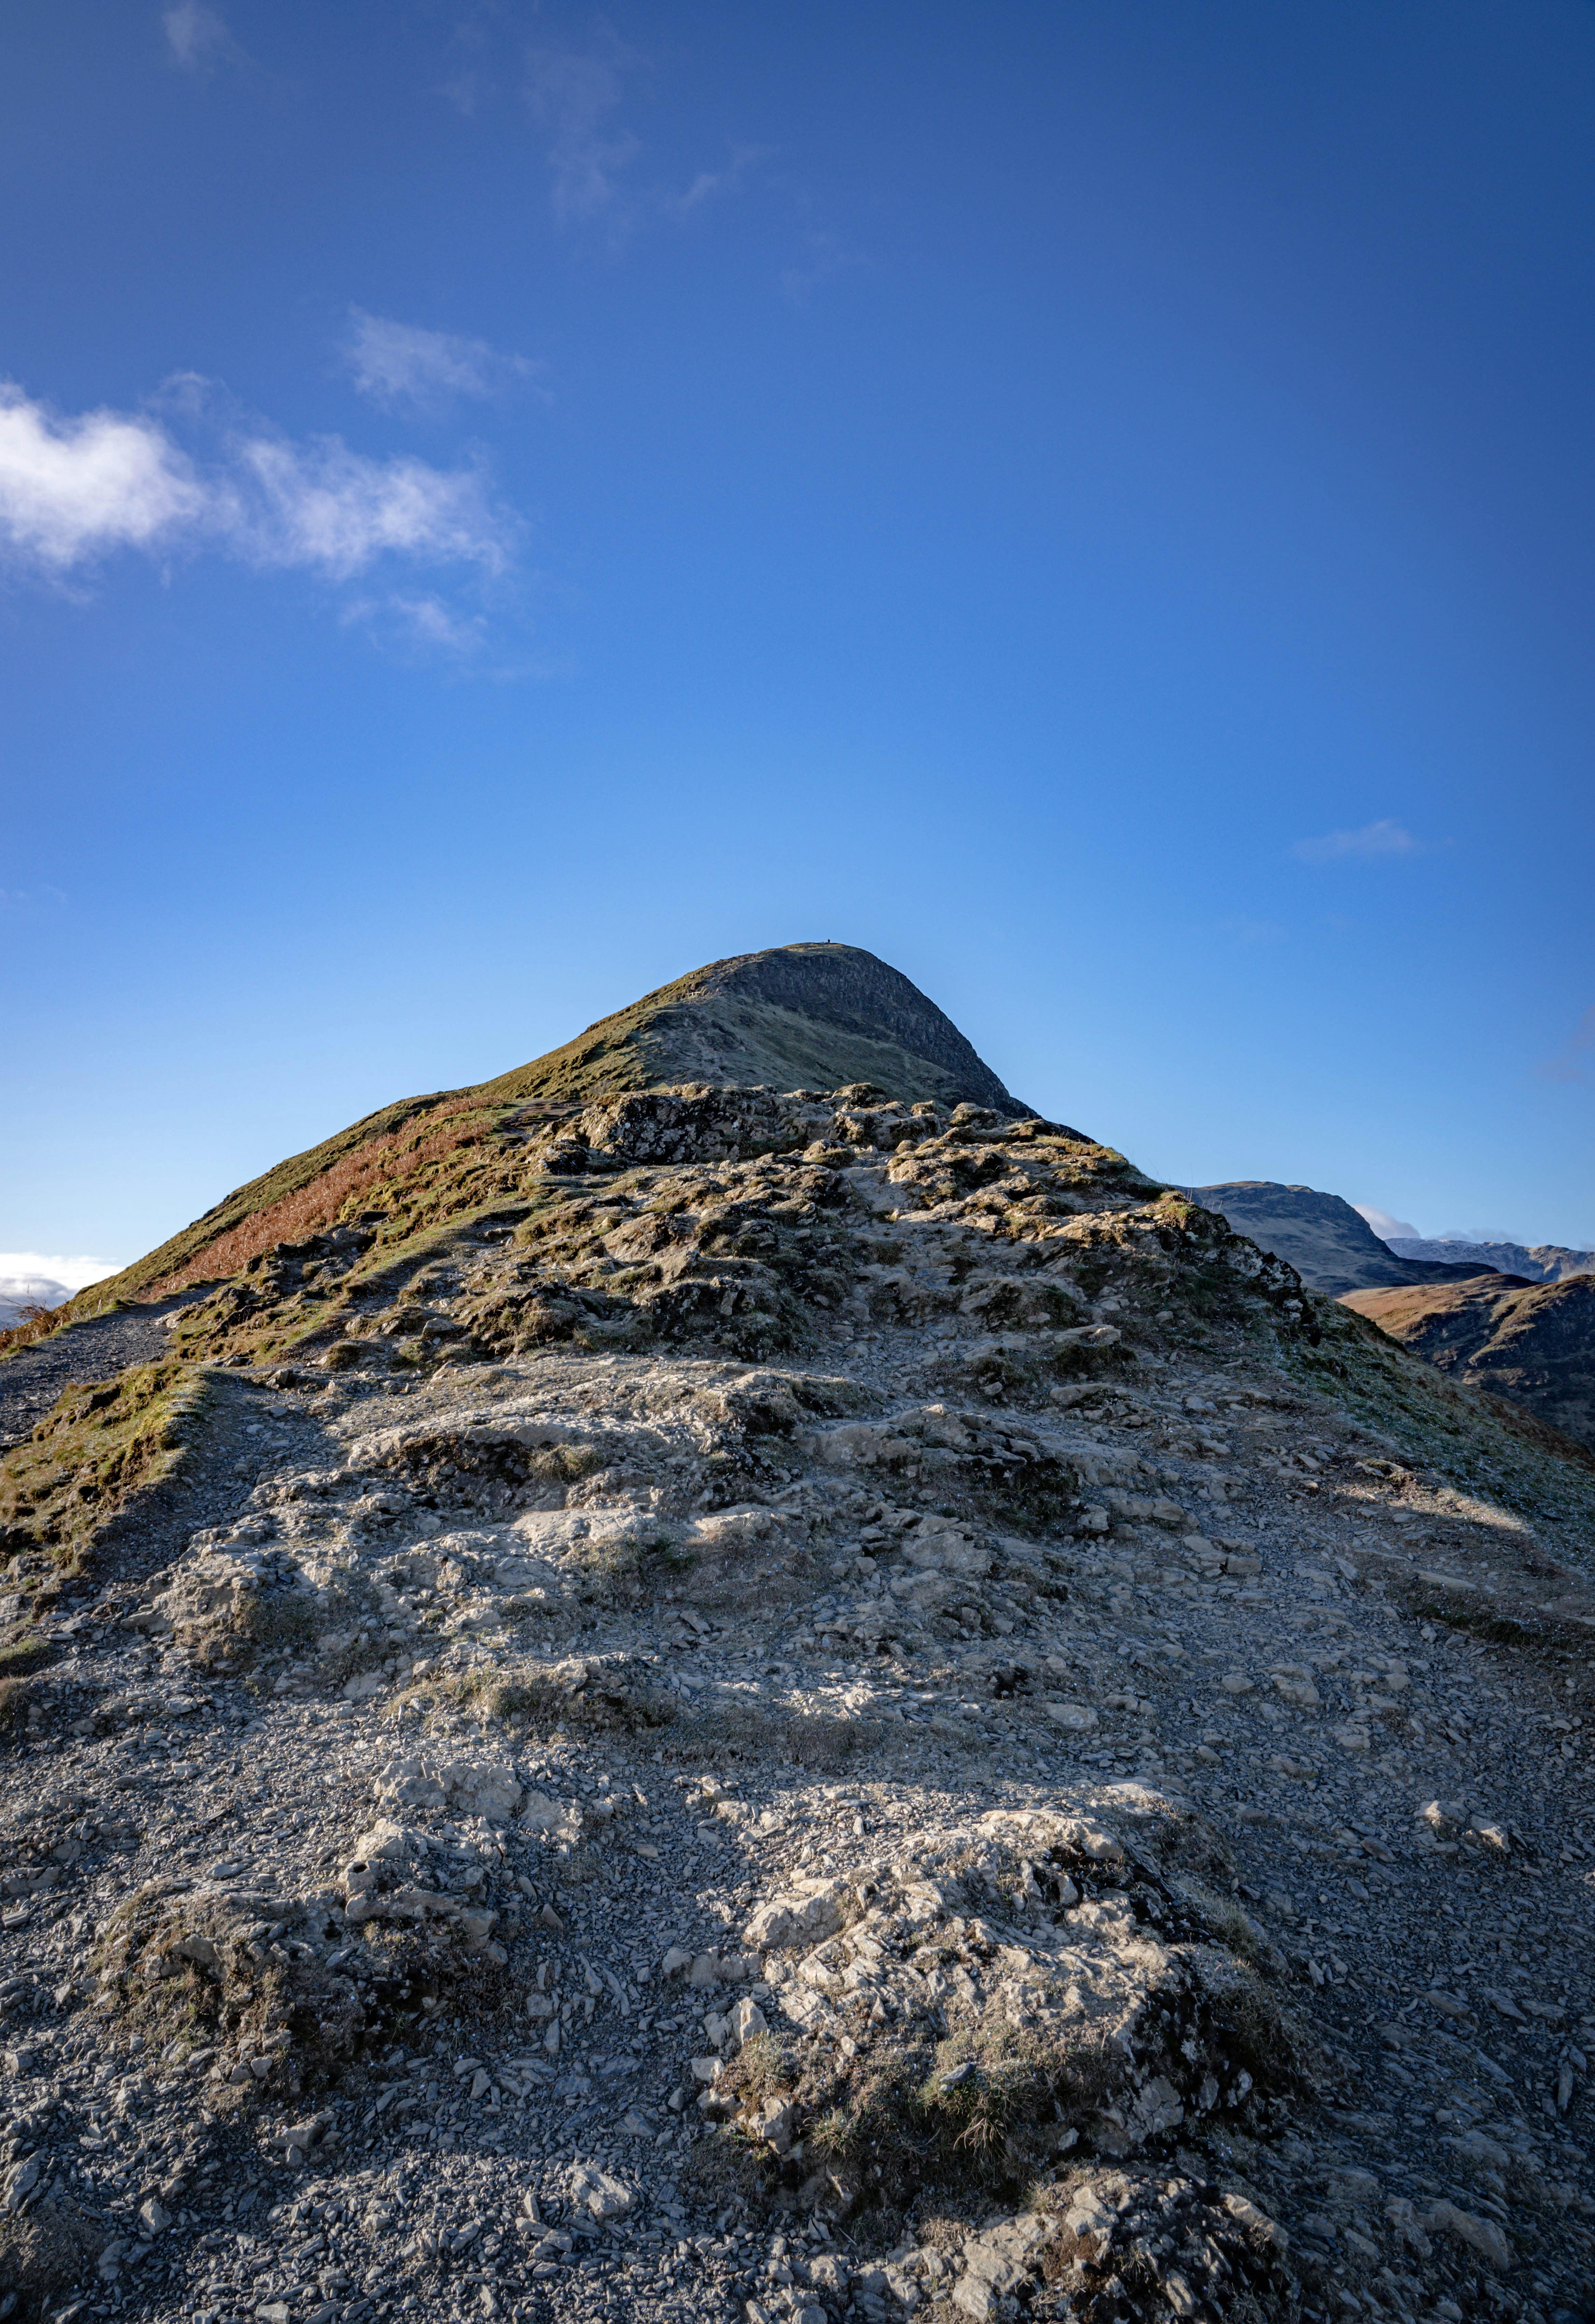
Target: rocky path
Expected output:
[639,1834]
[98,1349]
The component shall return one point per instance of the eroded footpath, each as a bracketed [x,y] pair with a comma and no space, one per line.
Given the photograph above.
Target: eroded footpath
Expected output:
[845,1729]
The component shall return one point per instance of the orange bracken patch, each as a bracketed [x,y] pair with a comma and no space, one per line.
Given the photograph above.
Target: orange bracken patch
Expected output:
[319,1204]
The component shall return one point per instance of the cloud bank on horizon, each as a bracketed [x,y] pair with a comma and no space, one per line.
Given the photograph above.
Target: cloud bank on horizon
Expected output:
[33,1279]
[1384,1225]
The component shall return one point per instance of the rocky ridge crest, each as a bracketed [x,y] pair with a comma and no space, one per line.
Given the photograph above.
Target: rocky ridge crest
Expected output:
[802,1704]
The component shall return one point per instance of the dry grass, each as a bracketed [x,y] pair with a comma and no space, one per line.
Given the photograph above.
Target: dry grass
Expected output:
[37,1323]
[974,2116]
[17,1697]
[310,1208]
[23,1653]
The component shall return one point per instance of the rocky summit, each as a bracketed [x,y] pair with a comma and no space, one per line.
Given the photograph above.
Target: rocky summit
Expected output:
[781,1703]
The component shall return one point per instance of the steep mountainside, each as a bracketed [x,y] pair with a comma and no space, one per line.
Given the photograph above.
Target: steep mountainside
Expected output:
[786,1707]
[819,1015]
[1540,1262]
[1330,1245]
[1532,1342]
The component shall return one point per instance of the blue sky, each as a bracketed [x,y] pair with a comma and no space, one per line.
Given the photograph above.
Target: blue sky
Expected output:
[501,503]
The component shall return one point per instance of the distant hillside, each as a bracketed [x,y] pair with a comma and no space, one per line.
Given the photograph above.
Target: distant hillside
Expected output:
[1331,1246]
[818,1016]
[1540,1262]
[1532,1343]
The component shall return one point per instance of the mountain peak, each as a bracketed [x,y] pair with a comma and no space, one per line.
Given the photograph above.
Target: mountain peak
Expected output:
[817,1016]
[798,1015]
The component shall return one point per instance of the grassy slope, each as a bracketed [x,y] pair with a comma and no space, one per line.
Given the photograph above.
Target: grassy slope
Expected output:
[99,1445]
[686,1031]
[1481,1443]
[727,1040]
[288,1178]
[1532,1342]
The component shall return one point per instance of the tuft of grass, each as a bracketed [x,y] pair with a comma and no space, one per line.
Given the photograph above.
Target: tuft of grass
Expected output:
[37,1323]
[758,2071]
[978,2114]
[102,1442]
[1227,1922]
[21,1699]
[532,1694]
[24,1653]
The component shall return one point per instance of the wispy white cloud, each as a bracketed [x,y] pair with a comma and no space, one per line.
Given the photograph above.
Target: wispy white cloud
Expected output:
[1384,1225]
[573,95]
[575,98]
[710,185]
[474,77]
[1383,839]
[198,36]
[402,365]
[423,622]
[75,491]
[17,899]
[334,512]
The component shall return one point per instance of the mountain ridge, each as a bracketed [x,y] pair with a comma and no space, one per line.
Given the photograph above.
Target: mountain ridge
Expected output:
[826,1014]
[720,1684]
[1532,1343]
[1541,1262]
[1331,1245]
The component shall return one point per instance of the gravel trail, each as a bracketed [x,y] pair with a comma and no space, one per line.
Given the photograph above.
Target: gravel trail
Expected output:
[95,1350]
[583,1830]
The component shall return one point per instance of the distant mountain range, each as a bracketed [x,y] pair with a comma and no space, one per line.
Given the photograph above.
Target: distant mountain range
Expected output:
[1330,1245]
[1540,1262]
[1514,1319]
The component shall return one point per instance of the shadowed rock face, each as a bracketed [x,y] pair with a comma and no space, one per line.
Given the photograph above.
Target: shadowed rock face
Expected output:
[1533,1342]
[1330,1245]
